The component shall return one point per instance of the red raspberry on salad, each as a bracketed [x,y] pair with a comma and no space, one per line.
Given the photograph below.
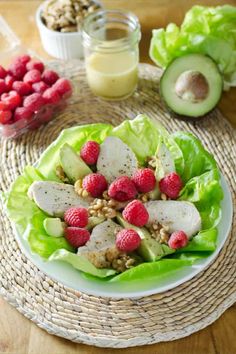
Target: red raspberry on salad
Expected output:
[171,185]
[32,76]
[51,96]
[17,69]
[23,88]
[63,86]
[136,213]
[122,189]
[22,113]
[50,77]
[95,184]
[89,152]
[76,236]
[144,180]
[3,72]
[34,102]
[127,240]
[178,239]
[35,64]
[76,217]
[12,99]
[5,117]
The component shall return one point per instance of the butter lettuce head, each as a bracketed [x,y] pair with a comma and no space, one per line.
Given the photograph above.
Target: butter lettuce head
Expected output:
[195,165]
[206,30]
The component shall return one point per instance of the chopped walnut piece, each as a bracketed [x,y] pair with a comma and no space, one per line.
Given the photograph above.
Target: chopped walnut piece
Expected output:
[80,190]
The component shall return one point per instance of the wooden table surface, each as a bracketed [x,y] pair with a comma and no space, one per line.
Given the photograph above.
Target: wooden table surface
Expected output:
[20,336]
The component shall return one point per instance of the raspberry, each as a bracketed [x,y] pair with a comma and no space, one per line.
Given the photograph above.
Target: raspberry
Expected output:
[89,152]
[17,69]
[127,240]
[3,72]
[5,117]
[63,86]
[136,213]
[32,76]
[50,77]
[144,180]
[34,102]
[178,239]
[51,96]
[77,237]
[122,189]
[35,64]
[12,99]
[24,59]
[9,82]
[3,106]
[23,88]
[40,87]
[76,217]
[95,184]
[171,185]
[22,113]
[3,86]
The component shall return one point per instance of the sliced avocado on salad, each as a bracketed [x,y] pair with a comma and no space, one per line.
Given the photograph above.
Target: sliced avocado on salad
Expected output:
[54,227]
[191,85]
[196,212]
[72,164]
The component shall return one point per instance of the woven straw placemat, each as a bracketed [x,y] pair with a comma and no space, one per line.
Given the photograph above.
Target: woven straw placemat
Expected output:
[108,322]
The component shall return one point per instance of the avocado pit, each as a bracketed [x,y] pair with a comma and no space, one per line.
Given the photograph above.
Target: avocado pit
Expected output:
[192,86]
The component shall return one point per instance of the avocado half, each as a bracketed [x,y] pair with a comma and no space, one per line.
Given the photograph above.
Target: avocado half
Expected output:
[191,85]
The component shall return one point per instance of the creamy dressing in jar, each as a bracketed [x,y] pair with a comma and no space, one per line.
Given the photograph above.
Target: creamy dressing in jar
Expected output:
[110,41]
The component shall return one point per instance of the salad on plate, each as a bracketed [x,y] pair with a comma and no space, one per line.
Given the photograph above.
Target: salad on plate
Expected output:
[124,203]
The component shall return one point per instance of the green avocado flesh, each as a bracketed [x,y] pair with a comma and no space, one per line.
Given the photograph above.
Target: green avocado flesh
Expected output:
[191,85]
[54,227]
[150,250]
[74,167]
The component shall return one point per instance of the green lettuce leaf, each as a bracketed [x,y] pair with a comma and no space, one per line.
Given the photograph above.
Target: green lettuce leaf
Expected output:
[206,30]
[196,159]
[152,270]
[81,263]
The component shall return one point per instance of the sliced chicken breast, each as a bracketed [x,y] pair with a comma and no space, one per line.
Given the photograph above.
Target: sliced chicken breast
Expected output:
[55,198]
[178,215]
[116,159]
[100,249]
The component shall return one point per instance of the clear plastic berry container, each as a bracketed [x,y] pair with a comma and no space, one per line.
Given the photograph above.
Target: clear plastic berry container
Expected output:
[10,48]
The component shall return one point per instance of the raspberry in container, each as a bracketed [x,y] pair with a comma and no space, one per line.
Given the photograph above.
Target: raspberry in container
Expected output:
[31,93]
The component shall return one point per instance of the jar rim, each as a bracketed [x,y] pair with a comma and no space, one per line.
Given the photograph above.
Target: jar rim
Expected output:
[114,44]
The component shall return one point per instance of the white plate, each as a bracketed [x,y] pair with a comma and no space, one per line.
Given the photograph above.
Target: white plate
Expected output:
[67,275]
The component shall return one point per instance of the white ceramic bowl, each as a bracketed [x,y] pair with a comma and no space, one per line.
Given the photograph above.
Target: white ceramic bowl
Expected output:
[57,44]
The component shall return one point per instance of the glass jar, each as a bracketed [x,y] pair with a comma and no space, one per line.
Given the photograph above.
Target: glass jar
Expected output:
[110,40]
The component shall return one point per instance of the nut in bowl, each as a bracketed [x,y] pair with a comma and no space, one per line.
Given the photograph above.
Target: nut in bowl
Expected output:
[30,95]
[59,23]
